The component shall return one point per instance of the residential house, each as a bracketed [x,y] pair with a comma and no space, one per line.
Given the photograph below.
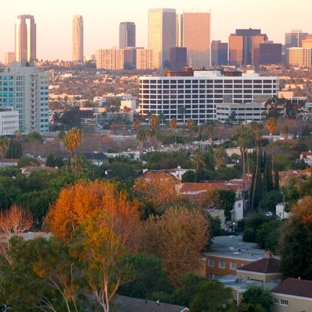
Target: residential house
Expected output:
[293,295]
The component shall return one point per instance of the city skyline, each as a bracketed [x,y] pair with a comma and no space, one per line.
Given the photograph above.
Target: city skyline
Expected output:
[101,21]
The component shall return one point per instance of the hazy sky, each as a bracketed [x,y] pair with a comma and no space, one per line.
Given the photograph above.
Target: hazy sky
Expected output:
[102,18]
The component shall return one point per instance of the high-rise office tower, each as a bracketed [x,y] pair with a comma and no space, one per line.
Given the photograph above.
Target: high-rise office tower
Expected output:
[29,95]
[242,46]
[195,37]
[178,56]
[25,38]
[293,40]
[219,53]
[9,57]
[77,39]
[161,35]
[126,35]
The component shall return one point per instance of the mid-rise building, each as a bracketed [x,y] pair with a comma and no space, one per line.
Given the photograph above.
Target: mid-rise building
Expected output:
[25,88]
[8,121]
[144,59]
[270,53]
[161,35]
[195,37]
[219,53]
[300,57]
[307,42]
[9,57]
[242,44]
[25,39]
[199,92]
[178,56]
[111,59]
[77,39]
[293,40]
[126,35]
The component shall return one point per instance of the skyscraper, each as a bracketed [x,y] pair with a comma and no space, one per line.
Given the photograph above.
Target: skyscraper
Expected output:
[25,38]
[126,35]
[219,53]
[161,35]
[293,40]
[242,46]
[77,39]
[195,37]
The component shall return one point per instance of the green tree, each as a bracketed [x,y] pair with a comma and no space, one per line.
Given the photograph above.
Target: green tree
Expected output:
[296,241]
[149,276]
[4,144]
[210,295]
[256,297]
[27,161]
[173,125]
[71,117]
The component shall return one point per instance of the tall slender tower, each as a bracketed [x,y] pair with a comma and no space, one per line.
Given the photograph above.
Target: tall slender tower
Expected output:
[161,35]
[195,37]
[25,38]
[126,35]
[77,39]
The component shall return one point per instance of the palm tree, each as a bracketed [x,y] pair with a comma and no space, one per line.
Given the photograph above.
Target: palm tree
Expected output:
[198,158]
[137,124]
[154,121]
[243,135]
[220,156]
[285,131]
[182,111]
[271,125]
[4,144]
[174,125]
[141,136]
[256,130]
[190,125]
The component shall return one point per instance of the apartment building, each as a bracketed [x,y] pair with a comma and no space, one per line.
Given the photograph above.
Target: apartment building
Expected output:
[197,94]
[25,88]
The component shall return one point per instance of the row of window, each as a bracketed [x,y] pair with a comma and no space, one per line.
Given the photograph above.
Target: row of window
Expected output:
[221,263]
[196,81]
[282,302]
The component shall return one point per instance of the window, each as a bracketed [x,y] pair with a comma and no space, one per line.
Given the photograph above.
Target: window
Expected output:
[284,302]
[222,264]
[232,265]
[275,301]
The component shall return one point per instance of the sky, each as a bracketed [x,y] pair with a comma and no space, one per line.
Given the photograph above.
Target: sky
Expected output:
[102,19]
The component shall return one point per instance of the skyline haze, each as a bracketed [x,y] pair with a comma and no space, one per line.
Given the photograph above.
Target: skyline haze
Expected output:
[101,21]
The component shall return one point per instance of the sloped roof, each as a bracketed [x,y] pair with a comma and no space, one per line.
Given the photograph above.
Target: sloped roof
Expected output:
[128,304]
[265,265]
[294,287]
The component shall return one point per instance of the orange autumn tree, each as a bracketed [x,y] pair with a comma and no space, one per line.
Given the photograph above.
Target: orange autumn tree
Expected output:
[81,200]
[157,188]
[177,237]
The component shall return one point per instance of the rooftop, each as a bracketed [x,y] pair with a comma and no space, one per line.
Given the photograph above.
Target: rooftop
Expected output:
[294,287]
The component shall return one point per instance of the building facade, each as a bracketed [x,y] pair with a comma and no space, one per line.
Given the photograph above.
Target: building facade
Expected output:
[9,57]
[242,45]
[161,35]
[77,39]
[126,35]
[111,59]
[178,56]
[293,40]
[195,37]
[144,59]
[300,57]
[8,121]
[24,88]
[25,39]
[219,53]
[200,92]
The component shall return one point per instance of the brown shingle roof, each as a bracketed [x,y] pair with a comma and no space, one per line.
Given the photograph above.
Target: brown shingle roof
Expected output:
[294,287]
[128,304]
[264,265]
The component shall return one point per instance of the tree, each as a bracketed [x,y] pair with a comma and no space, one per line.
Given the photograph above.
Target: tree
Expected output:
[15,220]
[210,295]
[72,140]
[154,121]
[83,199]
[137,124]
[149,276]
[182,111]
[285,131]
[4,144]
[71,117]
[141,136]
[157,188]
[255,297]
[198,158]
[220,156]
[190,125]
[99,252]
[271,125]
[295,244]
[243,136]
[173,125]
[176,237]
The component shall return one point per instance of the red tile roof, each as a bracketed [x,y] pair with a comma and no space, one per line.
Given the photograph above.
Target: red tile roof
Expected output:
[264,265]
[294,287]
